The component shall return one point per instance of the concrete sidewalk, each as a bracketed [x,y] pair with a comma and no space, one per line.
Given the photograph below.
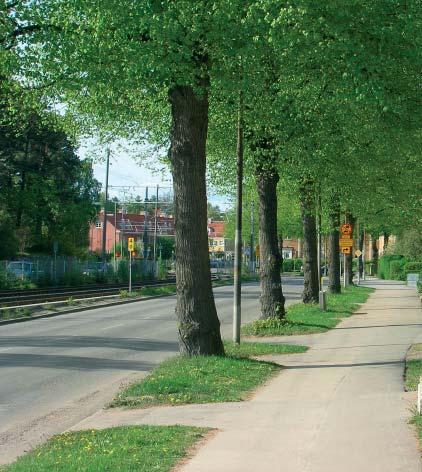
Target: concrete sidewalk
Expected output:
[339,407]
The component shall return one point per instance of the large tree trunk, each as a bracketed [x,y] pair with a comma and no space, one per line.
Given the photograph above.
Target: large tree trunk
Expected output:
[198,324]
[334,283]
[272,299]
[374,255]
[310,258]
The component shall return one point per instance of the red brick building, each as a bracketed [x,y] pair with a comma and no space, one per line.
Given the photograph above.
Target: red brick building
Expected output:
[122,226]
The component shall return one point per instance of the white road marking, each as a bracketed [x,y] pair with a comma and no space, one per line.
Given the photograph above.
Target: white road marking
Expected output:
[6,349]
[113,326]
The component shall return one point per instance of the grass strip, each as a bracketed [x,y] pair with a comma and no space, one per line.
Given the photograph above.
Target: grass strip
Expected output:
[309,318]
[416,420]
[205,379]
[413,372]
[121,449]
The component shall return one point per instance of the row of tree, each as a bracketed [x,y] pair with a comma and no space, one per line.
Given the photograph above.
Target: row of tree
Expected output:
[324,95]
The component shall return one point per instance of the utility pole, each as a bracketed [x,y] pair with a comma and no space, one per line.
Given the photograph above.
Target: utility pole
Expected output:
[238,235]
[155,224]
[252,241]
[115,233]
[145,225]
[105,210]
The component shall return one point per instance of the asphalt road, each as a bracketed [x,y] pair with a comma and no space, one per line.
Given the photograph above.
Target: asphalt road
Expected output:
[56,371]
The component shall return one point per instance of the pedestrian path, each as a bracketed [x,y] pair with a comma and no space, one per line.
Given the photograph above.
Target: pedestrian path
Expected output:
[338,407]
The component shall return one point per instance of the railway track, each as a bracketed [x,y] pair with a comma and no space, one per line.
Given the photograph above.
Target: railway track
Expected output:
[34,296]
[23,298]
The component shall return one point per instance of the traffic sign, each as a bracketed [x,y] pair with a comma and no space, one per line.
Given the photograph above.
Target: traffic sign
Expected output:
[346,242]
[131,244]
[346,250]
[358,253]
[346,229]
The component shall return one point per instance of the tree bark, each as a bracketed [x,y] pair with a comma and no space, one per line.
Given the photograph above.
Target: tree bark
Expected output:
[272,299]
[310,259]
[334,283]
[374,255]
[198,324]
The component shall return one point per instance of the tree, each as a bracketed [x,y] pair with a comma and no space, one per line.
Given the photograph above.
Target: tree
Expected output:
[142,67]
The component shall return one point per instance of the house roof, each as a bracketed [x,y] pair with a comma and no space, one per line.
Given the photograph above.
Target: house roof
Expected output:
[216,229]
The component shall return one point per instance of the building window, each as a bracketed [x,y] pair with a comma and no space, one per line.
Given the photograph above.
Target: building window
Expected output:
[99,224]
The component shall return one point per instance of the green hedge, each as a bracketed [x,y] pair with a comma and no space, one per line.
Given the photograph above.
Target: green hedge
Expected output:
[384,268]
[289,265]
[397,270]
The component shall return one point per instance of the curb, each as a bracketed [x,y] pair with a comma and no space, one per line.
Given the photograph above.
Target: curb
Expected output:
[79,309]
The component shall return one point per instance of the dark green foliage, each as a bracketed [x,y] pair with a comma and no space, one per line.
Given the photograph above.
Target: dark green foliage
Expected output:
[47,192]
[413,267]
[397,269]
[292,265]
[165,247]
[384,271]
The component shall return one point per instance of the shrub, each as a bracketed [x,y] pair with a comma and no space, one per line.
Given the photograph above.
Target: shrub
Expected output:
[287,265]
[413,267]
[397,271]
[384,265]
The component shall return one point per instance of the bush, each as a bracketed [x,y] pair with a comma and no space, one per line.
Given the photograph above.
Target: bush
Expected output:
[413,267]
[291,265]
[384,265]
[397,271]
[287,265]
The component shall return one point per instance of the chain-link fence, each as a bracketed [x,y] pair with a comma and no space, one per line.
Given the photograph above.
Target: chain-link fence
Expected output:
[47,271]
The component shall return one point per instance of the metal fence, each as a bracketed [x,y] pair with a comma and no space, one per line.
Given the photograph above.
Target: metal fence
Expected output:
[60,270]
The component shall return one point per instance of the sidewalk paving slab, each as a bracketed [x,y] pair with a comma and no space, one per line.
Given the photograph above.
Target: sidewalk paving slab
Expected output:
[339,407]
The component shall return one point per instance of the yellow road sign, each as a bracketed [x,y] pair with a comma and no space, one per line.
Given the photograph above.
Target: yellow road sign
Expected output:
[346,250]
[358,253]
[131,244]
[346,242]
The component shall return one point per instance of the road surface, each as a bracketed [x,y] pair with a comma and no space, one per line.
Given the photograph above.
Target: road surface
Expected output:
[56,371]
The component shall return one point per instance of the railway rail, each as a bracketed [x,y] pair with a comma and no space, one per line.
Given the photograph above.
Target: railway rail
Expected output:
[33,296]
[22,298]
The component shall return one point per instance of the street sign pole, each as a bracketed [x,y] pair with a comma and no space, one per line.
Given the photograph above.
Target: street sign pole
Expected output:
[131,248]
[130,271]
[237,301]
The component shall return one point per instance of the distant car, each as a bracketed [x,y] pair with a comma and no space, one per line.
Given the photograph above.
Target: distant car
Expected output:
[21,269]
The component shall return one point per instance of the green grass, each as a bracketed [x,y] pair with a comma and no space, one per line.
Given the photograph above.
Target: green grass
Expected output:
[309,318]
[247,349]
[205,379]
[413,372]
[14,313]
[162,290]
[122,449]
[416,420]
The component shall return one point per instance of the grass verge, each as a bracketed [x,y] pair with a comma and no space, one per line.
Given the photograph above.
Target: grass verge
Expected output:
[413,368]
[205,379]
[121,449]
[413,372]
[306,319]
[416,420]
